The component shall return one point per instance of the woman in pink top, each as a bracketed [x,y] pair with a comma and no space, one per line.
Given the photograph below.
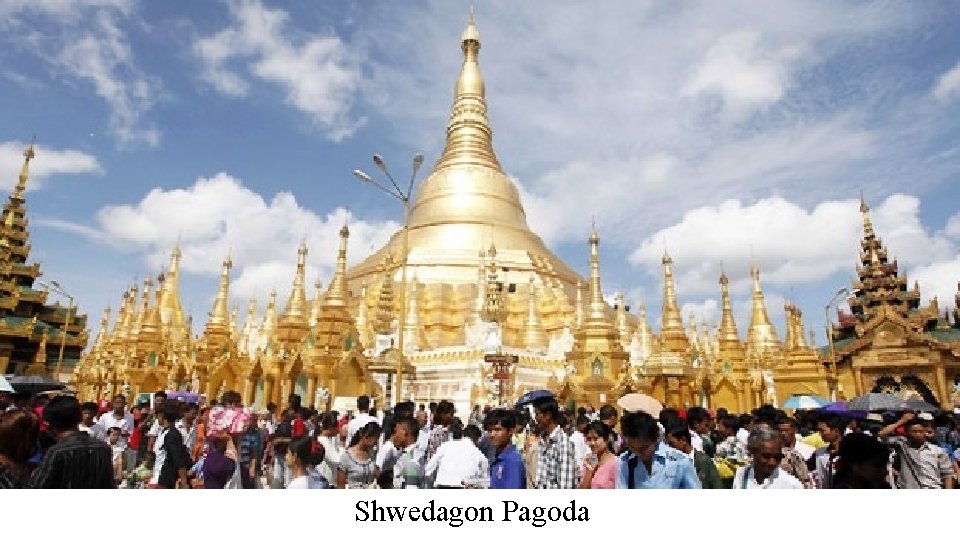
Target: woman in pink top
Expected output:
[600,465]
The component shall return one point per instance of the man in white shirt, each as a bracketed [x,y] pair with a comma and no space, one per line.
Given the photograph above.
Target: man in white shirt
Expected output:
[119,417]
[766,447]
[159,398]
[187,424]
[88,422]
[361,419]
[580,448]
[420,447]
[457,461]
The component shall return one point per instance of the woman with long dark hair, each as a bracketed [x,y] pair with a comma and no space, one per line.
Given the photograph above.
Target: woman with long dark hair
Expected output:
[357,464]
[19,430]
[600,466]
[302,457]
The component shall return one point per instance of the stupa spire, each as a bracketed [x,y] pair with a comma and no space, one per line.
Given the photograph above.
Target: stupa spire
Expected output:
[171,310]
[597,311]
[21,187]
[297,305]
[269,325]
[337,292]
[220,314]
[761,335]
[728,327]
[534,336]
[671,319]
[469,136]
[383,324]
[644,334]
[104,329]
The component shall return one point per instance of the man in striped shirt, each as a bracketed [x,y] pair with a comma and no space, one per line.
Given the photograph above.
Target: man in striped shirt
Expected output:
[556,456]
[76,461]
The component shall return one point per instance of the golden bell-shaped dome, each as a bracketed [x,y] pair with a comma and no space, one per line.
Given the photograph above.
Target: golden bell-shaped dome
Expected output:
[467,200]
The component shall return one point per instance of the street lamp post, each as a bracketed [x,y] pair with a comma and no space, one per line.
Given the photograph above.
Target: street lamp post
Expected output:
[57,288]
[404,198]
[833,353]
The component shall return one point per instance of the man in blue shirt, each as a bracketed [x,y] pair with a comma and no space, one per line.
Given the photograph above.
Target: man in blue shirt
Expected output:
[649,463]
[506,470]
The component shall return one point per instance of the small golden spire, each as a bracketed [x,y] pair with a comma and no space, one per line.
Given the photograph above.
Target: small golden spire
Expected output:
[220,314]
[28,155]
[103,333]
[386,308]
[534,336]
[644,334]
[867,223]
[728,334]
[171,309]
[597,312]
[761,336]
[249,330]
[269,326]
[494,309]
[337,292]
[297,304]
[469,136]
[671,320]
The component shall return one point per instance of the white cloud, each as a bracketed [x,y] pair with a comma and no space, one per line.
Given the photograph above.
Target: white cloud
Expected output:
[790,244]
[48,162]
[319,74]
[218,215]
[948,85]
[591,124]
[743,72]
[939,279]
[89,45]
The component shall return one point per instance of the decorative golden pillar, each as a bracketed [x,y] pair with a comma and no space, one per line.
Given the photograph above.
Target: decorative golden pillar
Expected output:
[310,398]
[248,390]
[943,393]
[268,389]
[858,381]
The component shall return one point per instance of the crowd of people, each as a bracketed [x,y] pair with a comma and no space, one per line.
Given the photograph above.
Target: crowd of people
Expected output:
[62,443]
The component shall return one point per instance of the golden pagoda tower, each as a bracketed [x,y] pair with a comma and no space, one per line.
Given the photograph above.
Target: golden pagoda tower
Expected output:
[763,344]
[468,200]
[673,337]
[293,324]
[598,361]
[25,316]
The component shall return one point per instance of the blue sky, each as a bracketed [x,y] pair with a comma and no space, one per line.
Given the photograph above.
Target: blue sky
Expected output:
[731,133]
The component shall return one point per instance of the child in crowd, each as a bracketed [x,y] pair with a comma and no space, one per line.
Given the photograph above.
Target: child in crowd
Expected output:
[118,449]
[140,477]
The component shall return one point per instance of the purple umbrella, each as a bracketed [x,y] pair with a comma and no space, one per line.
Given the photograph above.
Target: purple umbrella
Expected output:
[843,409]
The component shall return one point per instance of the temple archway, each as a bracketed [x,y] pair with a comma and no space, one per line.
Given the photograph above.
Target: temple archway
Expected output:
[908,387]
[350,377]
[725,396]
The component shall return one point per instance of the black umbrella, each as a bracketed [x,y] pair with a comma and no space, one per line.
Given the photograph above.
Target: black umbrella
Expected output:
[876,402]
[918,405]
[34,384]
[534,395]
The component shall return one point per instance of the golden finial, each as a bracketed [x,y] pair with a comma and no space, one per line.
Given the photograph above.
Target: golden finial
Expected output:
[470,33]
[28,155]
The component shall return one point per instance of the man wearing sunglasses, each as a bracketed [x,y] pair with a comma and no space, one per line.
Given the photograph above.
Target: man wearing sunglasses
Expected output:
[765,446]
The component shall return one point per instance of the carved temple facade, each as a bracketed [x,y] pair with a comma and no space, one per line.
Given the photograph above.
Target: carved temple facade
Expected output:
[480,282]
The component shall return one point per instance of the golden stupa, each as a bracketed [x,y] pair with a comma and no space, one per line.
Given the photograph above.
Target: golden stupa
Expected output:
[467,203]
[480,282]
